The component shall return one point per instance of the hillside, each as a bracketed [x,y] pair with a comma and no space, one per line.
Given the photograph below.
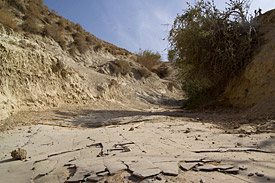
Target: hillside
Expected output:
[255,88]
[48,61]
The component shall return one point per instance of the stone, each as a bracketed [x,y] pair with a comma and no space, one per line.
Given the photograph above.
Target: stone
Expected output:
[77,177]
[242,168]
[102,174]
[232,171]
[19,154]
[224,167]
[158,178]
[259,174]
[42,168]
[250,174]
[168,168]
[206,168]
[144,168]
[187,166]
[93,178]
[132,129]
[115,166]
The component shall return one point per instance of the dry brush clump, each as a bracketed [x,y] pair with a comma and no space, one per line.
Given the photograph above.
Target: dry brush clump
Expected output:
[7,19]
[151,60]
[211,47]
[33,17]
[148,58]
[120,67]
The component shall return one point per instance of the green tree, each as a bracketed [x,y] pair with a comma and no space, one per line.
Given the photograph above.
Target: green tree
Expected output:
[211,47]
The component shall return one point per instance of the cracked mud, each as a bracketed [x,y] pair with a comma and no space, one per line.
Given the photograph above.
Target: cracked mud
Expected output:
[159,149]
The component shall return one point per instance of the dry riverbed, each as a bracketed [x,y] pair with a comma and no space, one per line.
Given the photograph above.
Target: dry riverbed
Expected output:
[153,145]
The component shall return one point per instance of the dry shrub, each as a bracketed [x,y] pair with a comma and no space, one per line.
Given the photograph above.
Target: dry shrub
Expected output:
[61,22]
[31,25]
[7,19]
[73,50]
[35,9]
[80,42]
[56,33]
[144,72]
[69,28]
[211,47]
[119,67]
[148,58]
[18,4]
[98,47]
[1,4]
[161,70]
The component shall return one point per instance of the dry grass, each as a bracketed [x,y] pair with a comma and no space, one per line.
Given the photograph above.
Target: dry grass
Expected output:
[148,58]
[120,67]
[38,19]
[7,19]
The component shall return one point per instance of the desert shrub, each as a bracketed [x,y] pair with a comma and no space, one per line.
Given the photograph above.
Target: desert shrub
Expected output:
[69,28]
[1,4]
[211,47]
[80,42]
[148,58]
[72,50]
[78,28]
[98,47]
[30,25]
[7,19]
[144,72]
[119,67]
[18,4]
[161,70]
[172,56]
[61,22]
[35,9]
[55,33]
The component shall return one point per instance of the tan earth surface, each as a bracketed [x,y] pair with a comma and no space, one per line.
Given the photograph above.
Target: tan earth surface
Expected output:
[156,144]
[100,116]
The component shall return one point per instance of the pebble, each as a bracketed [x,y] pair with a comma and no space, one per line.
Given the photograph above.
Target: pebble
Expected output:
[259,174]
[250,174]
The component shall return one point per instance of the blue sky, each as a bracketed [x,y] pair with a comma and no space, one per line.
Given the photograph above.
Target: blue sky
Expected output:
[131,24]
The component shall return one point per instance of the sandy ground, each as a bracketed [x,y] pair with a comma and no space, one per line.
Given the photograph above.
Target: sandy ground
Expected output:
[150,145]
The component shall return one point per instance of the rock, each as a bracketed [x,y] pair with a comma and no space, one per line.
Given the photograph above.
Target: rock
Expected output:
[242,168]
[224,167]
[144,168]
[93,178]
[126,149]
[168,168]
[44,167]
[232,171]
[250,174]
[158,178]
[132,129]
[79,176]
[187,166]
[259,174]
[102,174]
[19,154]
[115,166]
[207,168]
[187,130]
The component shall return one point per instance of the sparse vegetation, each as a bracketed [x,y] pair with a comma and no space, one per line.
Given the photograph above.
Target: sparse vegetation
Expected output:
[144,72]
[120,67]
[148,58]
[161,70]
[7,19]
[80,42]
[211,47]
[38,19]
